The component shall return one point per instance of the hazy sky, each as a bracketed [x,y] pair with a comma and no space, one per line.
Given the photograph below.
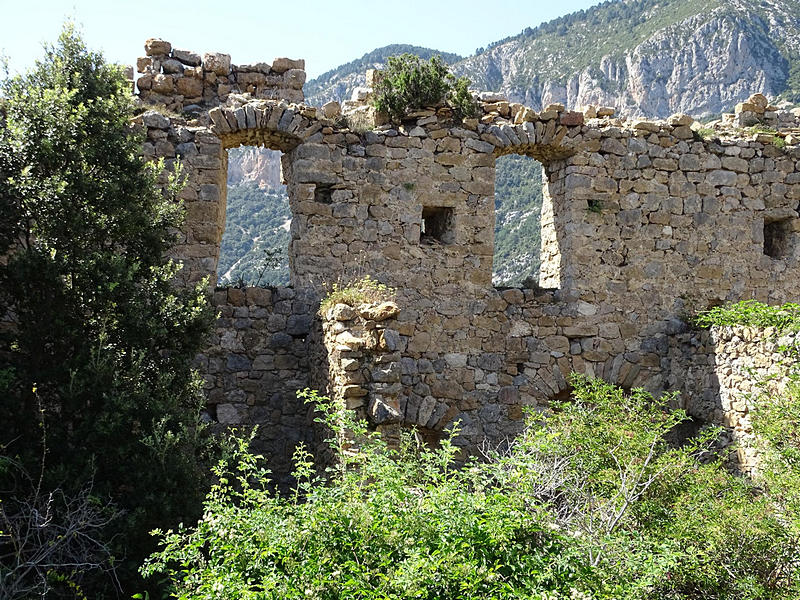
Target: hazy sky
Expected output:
[326,34]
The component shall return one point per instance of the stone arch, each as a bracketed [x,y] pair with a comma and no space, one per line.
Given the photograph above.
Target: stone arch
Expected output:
[274,125]
[548,143]
[544,141]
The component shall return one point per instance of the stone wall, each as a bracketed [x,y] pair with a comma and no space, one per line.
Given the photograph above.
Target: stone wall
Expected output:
[364,353]
[260,353]
[184,81]
[732,367]
[643,221]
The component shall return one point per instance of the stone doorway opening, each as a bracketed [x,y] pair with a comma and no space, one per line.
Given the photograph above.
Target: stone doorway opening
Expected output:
[518,194]
[254,247]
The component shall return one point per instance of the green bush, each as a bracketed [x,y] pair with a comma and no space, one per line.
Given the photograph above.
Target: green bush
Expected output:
[102,344]
[591,502]
[752,313]
[411,83]
[360,291]
[776,423]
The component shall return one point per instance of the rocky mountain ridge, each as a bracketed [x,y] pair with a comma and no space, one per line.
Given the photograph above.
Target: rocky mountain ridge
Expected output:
[260,166]
[698,56]
[644,57]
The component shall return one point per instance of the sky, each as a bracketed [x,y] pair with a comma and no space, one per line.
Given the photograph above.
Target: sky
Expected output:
[325,33]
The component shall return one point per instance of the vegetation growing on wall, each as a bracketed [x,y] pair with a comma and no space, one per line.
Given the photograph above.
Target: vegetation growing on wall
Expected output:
[364,290]
[776,413]
[591,502]
[410,83]
[330,82]
[752,313]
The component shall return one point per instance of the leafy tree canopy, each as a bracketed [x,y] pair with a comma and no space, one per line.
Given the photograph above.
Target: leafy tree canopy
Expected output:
[97,341]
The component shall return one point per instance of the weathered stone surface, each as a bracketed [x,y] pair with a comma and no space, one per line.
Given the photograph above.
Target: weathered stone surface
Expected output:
[379,312]
[191,88]
[155,47]
[186,57]
[172,66]
[155,120]
[331,110]
[342,312]
[217,63]
[281,65]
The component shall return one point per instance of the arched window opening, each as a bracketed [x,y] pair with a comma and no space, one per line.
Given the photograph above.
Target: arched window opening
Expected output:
[518,230]
[254,245]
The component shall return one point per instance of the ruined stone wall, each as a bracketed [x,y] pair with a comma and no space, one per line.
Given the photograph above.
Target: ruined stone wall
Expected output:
[184,81]
[642,222]
[732,368]
[260,353]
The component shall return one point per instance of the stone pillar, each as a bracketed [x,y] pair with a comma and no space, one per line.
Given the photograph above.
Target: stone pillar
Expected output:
[364,351]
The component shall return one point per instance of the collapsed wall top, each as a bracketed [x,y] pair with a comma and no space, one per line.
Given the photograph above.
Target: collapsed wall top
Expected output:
[184,81]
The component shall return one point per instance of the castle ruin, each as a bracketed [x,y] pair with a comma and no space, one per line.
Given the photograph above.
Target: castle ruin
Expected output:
[643,222]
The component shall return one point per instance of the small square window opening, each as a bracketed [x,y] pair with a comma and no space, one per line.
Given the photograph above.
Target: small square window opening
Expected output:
[437,225]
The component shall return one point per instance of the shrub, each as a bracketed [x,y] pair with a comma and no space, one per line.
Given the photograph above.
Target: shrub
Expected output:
[360,291]
[591,502]
[776,424]
[752,313]
[411,83]
[51,540]
[652,519]
[705,133]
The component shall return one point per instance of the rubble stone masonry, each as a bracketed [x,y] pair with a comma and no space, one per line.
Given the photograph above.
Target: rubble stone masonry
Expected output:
[642,223]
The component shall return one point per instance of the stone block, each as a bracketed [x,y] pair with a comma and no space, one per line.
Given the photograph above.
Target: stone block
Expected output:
[217,63]
[155,120]
[186,57]
[163,84]
[172,66]
[157,47]
[189,87]
[232,414]
[281,65]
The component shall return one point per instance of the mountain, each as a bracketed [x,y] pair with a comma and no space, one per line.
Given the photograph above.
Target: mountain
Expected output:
[650,57]
[257,217]
[643,57]
[248,164]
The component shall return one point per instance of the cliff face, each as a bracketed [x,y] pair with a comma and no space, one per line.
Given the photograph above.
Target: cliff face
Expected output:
[699,57]
[260,166]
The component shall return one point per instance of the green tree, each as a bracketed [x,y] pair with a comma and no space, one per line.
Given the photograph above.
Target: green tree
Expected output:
[410,82]
[98,341]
